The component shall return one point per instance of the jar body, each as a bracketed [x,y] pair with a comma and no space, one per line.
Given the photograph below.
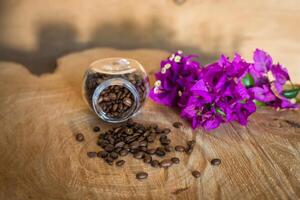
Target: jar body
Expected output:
[115,88]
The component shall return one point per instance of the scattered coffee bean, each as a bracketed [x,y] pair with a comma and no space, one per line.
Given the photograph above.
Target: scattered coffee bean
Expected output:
[169,148]
[191,143]
[79,137]
[139,155]
[196,174]
[188,150]
[113,155]
[123,152]
[175,160]
[151,151]
[147,158]
[180,148]
[160,152]
[166,163]
[96,129]
[91,154]
[177,124]
[102,154]
[120,163]
[141,175]
[215,161]
[154,163]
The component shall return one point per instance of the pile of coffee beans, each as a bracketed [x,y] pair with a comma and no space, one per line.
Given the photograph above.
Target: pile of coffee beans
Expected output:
[147,143]
[115,100]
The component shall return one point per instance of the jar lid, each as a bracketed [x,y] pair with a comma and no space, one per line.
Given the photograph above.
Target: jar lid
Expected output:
[116,65]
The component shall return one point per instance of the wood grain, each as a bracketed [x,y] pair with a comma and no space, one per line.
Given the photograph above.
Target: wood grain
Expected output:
[40,158]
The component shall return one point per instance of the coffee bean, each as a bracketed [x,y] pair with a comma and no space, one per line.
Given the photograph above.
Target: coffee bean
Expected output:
[154,163]
[180,148]
[120,163]
[91,154]
[109,160]
[123,152]
[139,155]
[160,152]
[188,150]
[141,175]
[127,102]
[96,129]
[191,143]
[79,137]
[215,161]
[177,124]
[196,174]
[147,158]
[164,141]
[151,151]
[120,144]
[134,145]
[109,148]
[113,155]
[166,163]
[169,148]
[175,160]
[102,154]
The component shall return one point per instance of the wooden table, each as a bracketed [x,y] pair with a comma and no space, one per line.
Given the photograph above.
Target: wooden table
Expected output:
[40,159]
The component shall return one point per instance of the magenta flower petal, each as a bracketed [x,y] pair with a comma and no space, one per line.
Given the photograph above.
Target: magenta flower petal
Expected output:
[262,61]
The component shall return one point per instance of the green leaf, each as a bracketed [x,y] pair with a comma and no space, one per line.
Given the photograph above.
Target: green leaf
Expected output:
[218,110]
[290,94]
[248,80]
[259,103]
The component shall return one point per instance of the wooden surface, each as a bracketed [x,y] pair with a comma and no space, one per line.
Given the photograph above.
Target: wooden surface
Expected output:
[40,159]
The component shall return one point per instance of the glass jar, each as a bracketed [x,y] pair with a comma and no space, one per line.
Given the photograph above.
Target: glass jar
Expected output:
[115,88]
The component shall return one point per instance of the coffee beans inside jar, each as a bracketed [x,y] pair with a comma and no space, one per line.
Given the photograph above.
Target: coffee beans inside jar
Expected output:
[115,88]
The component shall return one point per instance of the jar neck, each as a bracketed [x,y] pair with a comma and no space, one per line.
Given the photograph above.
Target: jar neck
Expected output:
[113,82]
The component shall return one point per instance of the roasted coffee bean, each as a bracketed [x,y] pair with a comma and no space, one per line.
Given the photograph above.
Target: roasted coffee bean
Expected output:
[191,143]
[109,160]
[102,154]
[79,137]
[120,163]
[165,141]
[215,161]
[144,149]
[169,148]
[154,163]
[196,174]
[120,144]
[188,150]
[177,124]
[180,148]
[147,158]
[96,129]
[91,154]
[109,148]
[151,151]
[134,145]
[166,163]
[129,131]
[143,143]
[141,175]
[127,102]
[175,160]
[123,152]
[160,152]
[113,155]
[139,155]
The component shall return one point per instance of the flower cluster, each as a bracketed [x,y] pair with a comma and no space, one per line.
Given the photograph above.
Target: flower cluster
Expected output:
[224,91]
